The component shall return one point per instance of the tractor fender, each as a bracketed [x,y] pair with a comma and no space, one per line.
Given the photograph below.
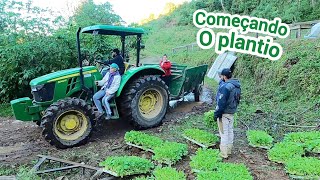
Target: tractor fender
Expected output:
[135,72]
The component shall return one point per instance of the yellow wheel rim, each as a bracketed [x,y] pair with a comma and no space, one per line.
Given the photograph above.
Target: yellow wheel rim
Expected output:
[71,125]
[150,103]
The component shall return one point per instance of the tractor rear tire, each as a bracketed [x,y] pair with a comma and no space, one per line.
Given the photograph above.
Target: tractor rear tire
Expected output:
[145,101]
[68,123]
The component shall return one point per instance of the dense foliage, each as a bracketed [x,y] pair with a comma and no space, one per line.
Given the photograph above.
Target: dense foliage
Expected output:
[313,146]
[168,173]
[142,139]
[170,152]
[39,42]
[226,171]
[209,120]
[127,165]
[304,166]
[205,160]
[201,136]
[259,138]
[282,152]
[302,137]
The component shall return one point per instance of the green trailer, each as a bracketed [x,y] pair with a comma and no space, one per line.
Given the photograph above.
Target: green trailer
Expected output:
[62,101]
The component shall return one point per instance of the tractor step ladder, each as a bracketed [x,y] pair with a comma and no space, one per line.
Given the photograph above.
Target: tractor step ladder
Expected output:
[66,165]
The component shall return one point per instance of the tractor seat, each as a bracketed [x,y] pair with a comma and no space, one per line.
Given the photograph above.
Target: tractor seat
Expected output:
[126,66]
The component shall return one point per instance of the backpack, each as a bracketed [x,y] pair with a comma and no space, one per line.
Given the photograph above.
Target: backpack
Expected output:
[235,93]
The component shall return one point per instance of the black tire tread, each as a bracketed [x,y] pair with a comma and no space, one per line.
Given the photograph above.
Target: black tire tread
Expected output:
[50,113]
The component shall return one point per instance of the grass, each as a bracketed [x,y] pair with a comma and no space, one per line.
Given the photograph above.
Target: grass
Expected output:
[6,110]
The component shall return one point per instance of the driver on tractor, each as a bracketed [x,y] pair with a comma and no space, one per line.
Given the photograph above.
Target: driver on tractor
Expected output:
[117,59]
[110,85]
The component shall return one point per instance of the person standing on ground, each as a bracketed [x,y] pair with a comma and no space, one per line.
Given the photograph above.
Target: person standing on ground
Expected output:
[165,64]
[227,102]
[110,85]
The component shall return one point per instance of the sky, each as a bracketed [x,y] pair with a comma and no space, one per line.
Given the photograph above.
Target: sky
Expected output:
[129,10]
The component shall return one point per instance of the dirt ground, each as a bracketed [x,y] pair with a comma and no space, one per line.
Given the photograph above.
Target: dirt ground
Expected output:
[20,142]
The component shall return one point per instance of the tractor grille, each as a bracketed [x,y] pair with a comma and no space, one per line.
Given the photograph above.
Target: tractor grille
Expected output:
[45,93]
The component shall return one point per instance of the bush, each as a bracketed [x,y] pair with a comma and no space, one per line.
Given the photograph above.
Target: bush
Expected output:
[259,138]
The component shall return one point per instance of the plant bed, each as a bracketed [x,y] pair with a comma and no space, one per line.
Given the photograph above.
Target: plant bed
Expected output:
[226,171]
[304,167]
[170,152]
[281,152]
[205,160]
[302,137]
[260,139]
[142,140]
[121,166]
[202,138]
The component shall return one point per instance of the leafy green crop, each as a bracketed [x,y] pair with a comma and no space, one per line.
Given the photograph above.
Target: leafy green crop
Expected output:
[281,152]
[168,173]
[127,165]
[302,137]
[209,120]
[226,171]
[142,139]
[313,145]
[259,138]
[201,136]
[205,159]
[303,166]
[170,152]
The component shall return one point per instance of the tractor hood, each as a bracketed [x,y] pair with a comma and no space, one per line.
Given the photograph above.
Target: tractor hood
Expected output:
[64,74]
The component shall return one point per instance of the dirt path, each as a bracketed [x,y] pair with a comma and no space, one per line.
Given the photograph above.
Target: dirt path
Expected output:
[20,142]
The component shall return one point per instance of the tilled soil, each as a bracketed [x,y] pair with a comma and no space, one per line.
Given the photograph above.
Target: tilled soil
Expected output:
[21,142]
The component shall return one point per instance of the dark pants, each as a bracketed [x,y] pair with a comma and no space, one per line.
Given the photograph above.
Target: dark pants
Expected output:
[167,79]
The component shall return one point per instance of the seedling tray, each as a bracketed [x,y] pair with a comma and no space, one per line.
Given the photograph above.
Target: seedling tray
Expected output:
[140,147]
[257,146]
[198,143]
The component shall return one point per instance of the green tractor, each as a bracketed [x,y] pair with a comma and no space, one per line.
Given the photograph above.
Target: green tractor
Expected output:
[62,101]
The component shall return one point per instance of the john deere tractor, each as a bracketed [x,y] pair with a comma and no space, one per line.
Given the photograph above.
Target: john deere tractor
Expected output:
[62,101]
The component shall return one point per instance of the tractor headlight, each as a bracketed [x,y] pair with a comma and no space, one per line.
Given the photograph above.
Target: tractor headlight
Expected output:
[37,87]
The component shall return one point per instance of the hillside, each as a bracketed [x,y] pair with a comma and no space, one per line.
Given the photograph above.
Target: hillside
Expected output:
[285,92]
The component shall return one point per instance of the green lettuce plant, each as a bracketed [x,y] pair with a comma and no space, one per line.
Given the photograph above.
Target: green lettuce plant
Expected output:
[259,138]
[127,165]
[142,139]
[205,160]
[304,166]
[281,152]
[226,171]
[201,136]
[209,120]
[168,173]
[302,137]
[170,152]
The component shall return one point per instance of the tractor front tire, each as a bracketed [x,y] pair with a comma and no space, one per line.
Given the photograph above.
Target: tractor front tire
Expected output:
[68,123]
[145,101]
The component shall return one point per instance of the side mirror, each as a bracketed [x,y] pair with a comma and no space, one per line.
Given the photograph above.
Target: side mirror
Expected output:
[142,46]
